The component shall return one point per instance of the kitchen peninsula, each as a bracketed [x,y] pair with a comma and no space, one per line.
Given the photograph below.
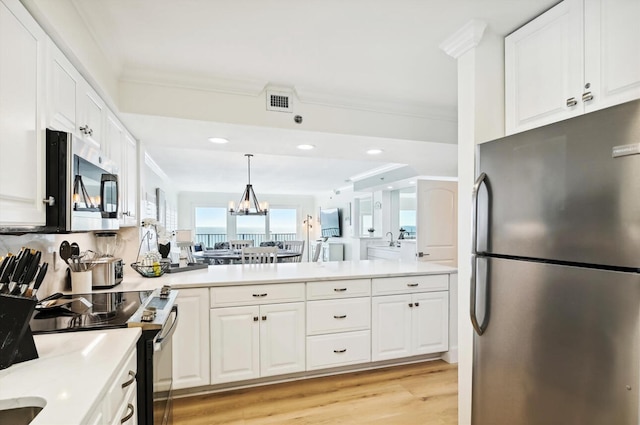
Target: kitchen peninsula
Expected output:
[252,324]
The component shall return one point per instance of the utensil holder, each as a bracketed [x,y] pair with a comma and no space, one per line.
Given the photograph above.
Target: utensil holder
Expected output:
[16,339]
[81,282]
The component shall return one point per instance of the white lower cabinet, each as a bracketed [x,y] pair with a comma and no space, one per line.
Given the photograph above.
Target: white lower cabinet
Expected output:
[191,339]
[249,342]
[120,402]
[333,350]
[410,324]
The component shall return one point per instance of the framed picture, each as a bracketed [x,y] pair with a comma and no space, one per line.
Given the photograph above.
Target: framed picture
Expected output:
[161,209]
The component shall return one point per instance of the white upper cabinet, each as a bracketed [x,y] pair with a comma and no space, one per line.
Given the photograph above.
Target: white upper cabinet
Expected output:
[62,92]
[22,135]
[92,116]
[579,56]
[129,182]
[612,52]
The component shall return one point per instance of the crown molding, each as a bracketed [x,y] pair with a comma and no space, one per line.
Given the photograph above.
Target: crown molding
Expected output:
[465,39]
[218,84]
[306,95]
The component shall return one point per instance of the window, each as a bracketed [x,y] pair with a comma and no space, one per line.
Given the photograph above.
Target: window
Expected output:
[283,224]
[252,227]
[211,225]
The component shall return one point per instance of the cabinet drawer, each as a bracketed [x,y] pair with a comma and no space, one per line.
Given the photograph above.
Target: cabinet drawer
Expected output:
[256,294]
[342,349]
[116,394]
[338,289]
[351,314]
[409,284]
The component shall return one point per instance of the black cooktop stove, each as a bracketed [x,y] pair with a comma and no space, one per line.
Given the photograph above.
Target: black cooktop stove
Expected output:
[83,312]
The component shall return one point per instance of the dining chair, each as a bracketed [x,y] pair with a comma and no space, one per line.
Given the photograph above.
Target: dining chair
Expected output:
[239,244]
[259,254]
[294,246]
[317,251]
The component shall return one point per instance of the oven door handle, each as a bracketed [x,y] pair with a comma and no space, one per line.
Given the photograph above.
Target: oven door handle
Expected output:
[162,340]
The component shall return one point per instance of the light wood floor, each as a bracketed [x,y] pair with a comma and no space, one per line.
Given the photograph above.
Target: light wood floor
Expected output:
[424,393]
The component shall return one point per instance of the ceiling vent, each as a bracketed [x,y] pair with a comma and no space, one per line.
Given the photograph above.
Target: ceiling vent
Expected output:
[279,101]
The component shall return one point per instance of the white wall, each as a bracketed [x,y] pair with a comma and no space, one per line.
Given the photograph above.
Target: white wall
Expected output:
[480,118]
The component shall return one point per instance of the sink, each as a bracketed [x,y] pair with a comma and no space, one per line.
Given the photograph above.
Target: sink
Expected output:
[20,411]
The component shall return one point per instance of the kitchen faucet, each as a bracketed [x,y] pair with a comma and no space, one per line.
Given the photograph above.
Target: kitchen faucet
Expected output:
[391,243]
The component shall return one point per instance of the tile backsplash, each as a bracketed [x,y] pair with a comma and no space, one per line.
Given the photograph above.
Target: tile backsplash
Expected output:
[49,244]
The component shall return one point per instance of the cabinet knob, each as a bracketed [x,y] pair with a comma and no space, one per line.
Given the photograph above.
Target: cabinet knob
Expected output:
[410,304]
[571,102]
[84,129]
[587,96]
[255,318]
[50,201]
[264,317]
[417,304]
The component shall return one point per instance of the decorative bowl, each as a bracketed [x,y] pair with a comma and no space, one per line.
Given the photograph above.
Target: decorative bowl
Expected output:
[156,270]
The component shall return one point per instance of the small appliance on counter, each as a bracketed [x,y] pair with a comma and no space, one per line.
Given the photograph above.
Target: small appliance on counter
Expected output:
[107,272]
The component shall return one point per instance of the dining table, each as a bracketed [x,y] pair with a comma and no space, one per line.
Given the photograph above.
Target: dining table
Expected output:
[229,256]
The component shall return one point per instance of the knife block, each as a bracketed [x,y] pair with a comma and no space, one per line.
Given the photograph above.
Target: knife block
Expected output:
[16,339]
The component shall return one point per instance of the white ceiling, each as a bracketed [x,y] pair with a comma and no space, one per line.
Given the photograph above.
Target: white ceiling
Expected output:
[380,50]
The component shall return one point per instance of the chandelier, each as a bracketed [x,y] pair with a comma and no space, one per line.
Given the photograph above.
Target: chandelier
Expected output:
[248,204]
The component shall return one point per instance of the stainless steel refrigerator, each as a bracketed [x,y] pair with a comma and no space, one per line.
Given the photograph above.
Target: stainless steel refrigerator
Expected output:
[555,288]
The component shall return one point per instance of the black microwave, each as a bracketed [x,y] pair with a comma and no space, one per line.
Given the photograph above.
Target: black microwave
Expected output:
[82,191]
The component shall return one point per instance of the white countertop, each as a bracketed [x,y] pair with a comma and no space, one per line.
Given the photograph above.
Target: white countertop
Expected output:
[237,274]
[70,375]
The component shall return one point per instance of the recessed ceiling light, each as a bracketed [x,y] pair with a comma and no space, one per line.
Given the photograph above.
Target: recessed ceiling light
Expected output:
[389,187]
[306,147]
[374,151]
[412,182]
[218,140]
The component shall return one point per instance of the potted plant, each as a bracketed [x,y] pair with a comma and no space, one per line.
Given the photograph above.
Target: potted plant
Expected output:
[371,230]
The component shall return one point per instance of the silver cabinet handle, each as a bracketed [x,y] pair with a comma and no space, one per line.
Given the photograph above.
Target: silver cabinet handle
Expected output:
[412,285]
[131,411]
[342,316]
[587,96]
[339,289]
[571,102]
[259,295]
[132,374]
[50,201]
[340,351]
[84,129]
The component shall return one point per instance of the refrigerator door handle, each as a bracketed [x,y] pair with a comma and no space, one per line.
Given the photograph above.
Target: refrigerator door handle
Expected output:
[472,302]
[474,223]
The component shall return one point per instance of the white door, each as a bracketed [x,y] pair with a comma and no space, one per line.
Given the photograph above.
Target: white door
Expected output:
[130,183]
[438,222]
[92,113]
[430,322]
[390,327]
[544,69]
[612,52]
[282,338]
[235,344]
[22,136]
[62,92]
[191,340]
